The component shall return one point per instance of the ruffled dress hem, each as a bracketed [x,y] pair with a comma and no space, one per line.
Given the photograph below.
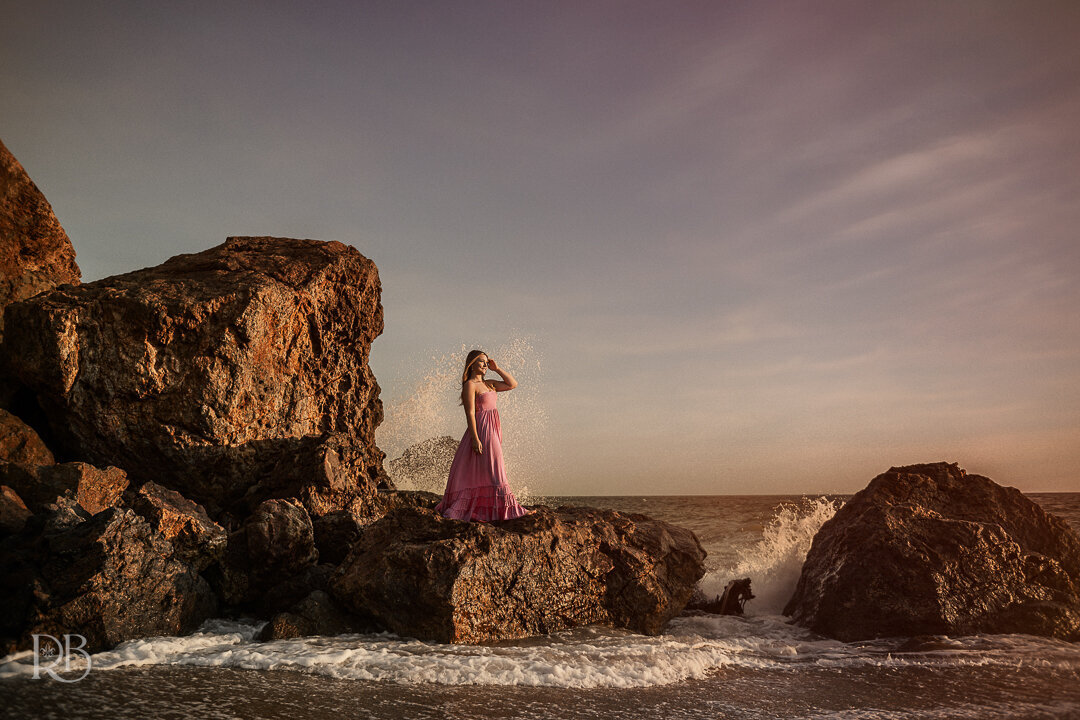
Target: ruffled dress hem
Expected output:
[484,504]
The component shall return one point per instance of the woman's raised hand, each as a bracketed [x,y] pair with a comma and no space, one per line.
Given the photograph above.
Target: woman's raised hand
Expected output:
[492,366]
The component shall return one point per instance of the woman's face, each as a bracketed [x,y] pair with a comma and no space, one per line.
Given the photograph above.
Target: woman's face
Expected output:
[481,365]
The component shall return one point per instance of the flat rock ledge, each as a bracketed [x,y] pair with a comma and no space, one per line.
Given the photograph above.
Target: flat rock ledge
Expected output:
[931,550]
[418,574]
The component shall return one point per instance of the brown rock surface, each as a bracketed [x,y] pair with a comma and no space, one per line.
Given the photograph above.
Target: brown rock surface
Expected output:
[930,550]
[35,252]
[180,372]
[95,489]
[316,614]
[421,575]
[109,577]
[197,540]
[19,442]
[275,543]
[13,511]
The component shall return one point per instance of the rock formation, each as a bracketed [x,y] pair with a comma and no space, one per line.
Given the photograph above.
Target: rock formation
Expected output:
[20,444]
[93,488]
[189,373]
[109,577]
[418,574]
[930,550]
[213,418]
[35,252]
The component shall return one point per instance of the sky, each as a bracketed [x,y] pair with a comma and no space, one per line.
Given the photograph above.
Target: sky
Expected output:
[727,247]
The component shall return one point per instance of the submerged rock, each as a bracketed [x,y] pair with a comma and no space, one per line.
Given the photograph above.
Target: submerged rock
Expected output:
[421,575]
[930,550]
[178,373]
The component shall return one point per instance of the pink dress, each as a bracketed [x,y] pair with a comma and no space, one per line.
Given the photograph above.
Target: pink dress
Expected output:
[477,488]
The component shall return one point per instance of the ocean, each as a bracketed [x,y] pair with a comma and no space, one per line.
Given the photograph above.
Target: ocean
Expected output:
[702,666]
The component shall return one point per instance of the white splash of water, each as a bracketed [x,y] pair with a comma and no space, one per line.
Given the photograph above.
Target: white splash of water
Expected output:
[775,562]
[430,408]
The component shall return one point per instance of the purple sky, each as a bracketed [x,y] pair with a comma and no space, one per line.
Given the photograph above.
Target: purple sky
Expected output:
[732,247]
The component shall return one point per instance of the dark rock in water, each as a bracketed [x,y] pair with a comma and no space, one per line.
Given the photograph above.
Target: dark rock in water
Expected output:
[930,550]
[730,602]
[19,443]
[422,575]
[13,511]
[35,252]
[40,485]
[109,577]
[177,373]
[275,543]
[316,614]
[196,539]
[425,464]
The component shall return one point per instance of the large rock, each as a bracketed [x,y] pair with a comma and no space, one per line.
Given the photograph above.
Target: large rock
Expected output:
[13,511]
[109,577]
[928,549]
[93,488]
[197,540]
[274,545]
[19,442]
[182,372]
[421,575]
[35,252]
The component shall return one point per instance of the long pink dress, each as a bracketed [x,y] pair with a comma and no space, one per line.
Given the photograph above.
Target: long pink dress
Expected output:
[477,488]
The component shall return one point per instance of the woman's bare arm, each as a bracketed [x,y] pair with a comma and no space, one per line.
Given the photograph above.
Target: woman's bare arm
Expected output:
[468,399]
[508,381]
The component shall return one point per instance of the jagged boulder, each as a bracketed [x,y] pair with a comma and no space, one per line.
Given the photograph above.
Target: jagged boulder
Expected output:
[196,539]
[310,470]
[181,373]
[931,550]
[315,614]
[93,488]
[421,575]
[13,511]
[19,443]
[35,252]
[275,544]
[109,577]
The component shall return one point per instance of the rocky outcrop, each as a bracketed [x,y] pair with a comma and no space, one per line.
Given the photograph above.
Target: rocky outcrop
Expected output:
[424,465]
[93,488]
[316,614]
[930,550]
[35,252]
[20,444]
[196,539]
[275,543]
[109,577]
[421,575]
[182,373]
[13,511]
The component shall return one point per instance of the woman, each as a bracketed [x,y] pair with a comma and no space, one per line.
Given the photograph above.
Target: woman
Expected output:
[477,488]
